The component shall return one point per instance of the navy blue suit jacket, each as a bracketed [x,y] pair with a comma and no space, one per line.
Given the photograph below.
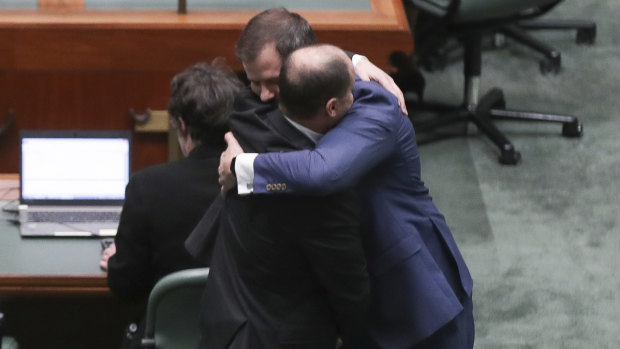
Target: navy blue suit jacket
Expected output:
[418,276]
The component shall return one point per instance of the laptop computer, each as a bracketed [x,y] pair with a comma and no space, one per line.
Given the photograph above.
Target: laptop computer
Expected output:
[72,183]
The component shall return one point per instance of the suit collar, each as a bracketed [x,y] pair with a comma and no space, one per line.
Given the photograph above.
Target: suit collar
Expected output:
[284,128]
[204,151]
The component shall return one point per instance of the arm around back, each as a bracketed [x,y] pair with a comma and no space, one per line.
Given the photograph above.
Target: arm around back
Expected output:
[365,137]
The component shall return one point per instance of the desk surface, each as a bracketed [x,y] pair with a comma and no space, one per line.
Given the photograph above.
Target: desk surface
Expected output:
[47,265]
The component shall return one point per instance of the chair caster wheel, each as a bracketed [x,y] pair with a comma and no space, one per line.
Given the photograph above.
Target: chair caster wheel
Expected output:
[509,156]
[572,130]
[548,66]
[586,36]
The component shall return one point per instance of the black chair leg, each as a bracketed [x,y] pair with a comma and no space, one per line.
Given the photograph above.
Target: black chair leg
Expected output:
[553,61]
[481,111]
[586,30]
[492,107]
[586,34]
[479,115]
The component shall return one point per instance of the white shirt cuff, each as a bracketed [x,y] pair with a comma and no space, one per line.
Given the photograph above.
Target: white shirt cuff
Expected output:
[357,58]
[244,169]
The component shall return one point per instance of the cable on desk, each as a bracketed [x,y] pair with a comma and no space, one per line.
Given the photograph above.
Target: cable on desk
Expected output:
[77,229]
[10,202]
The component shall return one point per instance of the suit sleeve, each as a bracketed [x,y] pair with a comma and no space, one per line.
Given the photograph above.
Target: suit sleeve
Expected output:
[364,138]
[129,273]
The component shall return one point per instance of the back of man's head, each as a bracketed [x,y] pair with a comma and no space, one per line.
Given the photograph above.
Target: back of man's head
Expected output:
[310,77]
[203,96]
[288,30]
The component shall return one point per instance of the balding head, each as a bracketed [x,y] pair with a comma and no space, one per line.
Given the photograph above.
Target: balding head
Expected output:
[310,77]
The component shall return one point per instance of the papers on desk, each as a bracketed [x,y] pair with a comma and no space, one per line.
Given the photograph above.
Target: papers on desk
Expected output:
[9,189]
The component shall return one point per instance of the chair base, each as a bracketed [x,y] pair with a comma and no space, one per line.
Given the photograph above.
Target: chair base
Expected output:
[586,34]
[492,107]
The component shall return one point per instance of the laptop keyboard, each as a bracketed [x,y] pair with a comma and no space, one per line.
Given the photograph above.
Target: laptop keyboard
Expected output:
[74,217]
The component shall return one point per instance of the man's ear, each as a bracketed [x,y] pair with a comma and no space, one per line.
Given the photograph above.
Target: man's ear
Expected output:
[182,126]
[331,107]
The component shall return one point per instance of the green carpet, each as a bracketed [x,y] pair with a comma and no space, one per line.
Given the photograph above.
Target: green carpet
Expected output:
[541,238]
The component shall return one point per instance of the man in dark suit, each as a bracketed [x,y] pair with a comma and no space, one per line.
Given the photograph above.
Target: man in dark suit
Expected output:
[163,203]
[421,287]
[286,272]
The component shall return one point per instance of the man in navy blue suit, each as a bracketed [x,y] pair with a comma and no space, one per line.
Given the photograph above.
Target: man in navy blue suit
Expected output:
[421,287]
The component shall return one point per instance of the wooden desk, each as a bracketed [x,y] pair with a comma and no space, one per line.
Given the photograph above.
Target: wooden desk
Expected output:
[74,68]
[43,266]
[53,293]
[9,186]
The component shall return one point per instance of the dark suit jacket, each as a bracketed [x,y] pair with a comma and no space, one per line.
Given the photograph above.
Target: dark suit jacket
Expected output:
[418,275]
[287,272]
[162,205]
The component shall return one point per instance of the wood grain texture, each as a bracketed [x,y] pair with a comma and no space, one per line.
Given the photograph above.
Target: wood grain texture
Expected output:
[56,284]
[64,67]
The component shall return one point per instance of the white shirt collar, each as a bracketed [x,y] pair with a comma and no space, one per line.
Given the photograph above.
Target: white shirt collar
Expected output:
[313,135]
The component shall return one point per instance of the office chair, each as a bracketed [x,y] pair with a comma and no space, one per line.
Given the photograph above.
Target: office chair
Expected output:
[6,342]
[173,310]
[436,21]
[520,33]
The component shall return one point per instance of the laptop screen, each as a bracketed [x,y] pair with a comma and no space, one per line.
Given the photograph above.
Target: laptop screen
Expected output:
[74,166]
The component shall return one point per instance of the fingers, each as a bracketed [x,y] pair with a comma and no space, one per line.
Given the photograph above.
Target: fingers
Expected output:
[231,140]
[234,148]
[105,256]
[389,84]
[401,99]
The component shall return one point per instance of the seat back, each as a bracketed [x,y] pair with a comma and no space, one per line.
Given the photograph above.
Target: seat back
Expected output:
[485,10]
[471,11]
[173,310]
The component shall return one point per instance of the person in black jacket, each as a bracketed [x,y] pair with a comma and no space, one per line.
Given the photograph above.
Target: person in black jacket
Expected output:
[286,272]
[164,202]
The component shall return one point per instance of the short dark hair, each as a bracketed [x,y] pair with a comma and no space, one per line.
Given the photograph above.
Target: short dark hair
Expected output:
[203,97]
[287,30]
[304,91]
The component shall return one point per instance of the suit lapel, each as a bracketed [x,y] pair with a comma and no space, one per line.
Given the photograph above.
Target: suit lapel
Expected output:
[261,128]
[279,125]
[201,240]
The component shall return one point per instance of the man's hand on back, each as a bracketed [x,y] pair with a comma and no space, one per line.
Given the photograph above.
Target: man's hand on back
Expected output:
[367,71]
[227,179]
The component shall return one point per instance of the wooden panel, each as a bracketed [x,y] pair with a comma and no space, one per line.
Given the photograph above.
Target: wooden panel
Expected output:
[91,100]
[62,5]
[66,67]
[89,39]
[11,284]
[9,186]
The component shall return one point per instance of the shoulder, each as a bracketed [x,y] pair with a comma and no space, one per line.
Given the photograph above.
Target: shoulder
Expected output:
[156,175]
[372,92]
[371,101]
[246,100]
